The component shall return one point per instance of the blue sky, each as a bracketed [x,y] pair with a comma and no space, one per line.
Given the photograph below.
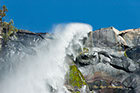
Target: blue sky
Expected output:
[42,15]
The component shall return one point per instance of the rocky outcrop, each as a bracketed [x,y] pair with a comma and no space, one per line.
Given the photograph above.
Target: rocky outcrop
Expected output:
[24,39]
[115,53]
[107,62]
[20,47]
[131,36]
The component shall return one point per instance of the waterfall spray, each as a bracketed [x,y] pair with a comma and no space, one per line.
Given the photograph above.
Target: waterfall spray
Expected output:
[45,71]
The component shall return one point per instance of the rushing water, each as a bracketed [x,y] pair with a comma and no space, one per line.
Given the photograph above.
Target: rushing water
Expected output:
[45,71]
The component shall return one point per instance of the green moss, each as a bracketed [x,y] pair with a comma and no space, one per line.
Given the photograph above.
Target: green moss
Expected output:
[85,50]
[75,77]
[125,54]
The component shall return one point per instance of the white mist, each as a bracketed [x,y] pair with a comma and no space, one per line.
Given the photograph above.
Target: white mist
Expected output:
[37,74]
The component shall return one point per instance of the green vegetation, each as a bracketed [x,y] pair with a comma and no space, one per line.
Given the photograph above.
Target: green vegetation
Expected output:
[8,29]
[75,78]
[85,50]
[125,54]
[2,12]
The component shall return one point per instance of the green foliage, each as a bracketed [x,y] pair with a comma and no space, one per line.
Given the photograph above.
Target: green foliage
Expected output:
[10,29]
[2,12]
[85,50]
[125,54]
[75,77]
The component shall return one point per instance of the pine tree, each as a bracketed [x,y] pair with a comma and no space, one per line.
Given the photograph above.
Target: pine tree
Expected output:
[6,29]
[2,13]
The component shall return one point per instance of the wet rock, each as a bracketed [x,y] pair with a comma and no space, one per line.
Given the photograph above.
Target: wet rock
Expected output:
[100,82]
[134,54]
[113,52]
[107,58]
[132,82]
[17,49]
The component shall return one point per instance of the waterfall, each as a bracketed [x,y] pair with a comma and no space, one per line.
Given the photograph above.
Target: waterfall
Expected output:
[45,71]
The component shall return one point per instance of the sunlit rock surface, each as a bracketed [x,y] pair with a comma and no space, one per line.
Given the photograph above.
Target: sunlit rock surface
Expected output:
[115,53]
[109,59]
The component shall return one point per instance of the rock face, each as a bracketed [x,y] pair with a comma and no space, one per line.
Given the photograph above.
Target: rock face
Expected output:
[23,40]
[131,36]
[20,47]
[109,59]
[116,53]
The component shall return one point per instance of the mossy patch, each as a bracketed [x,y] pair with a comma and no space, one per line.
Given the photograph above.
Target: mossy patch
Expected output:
[125,54]
[85,50]
[75,78]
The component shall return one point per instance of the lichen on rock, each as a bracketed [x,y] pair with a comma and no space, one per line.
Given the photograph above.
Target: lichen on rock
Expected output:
[75,79]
